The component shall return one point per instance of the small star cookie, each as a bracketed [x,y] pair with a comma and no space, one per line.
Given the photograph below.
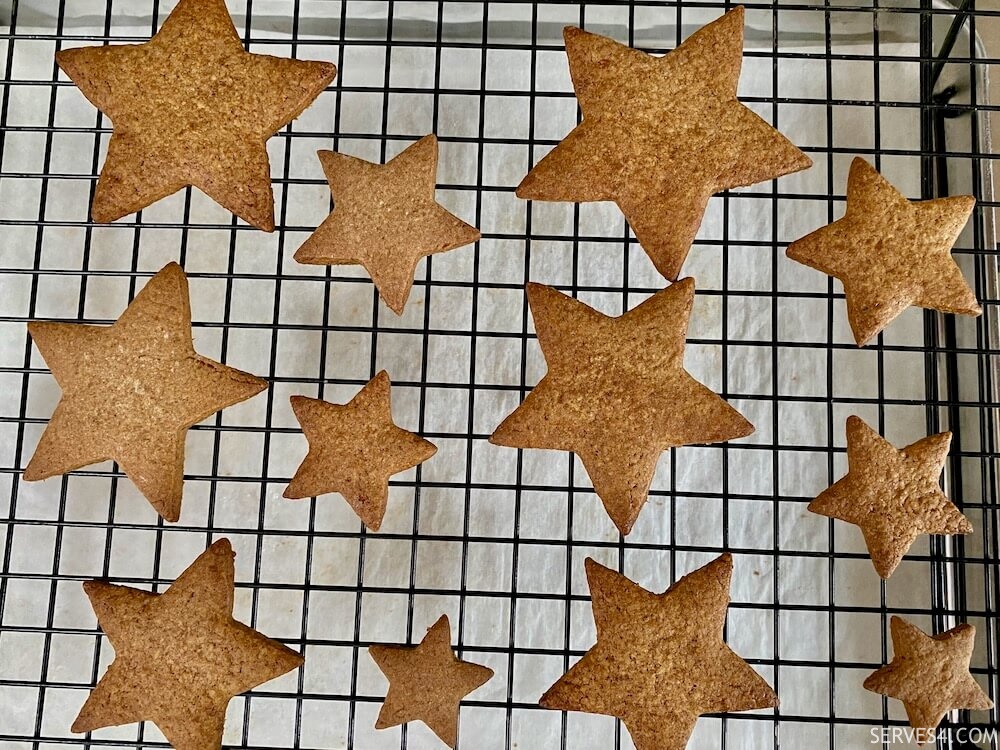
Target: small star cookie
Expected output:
[191,107]
[180,657]
[660,660]
[616,393]
[930,675]
[354,448]
[890,253]
[893,495]
[385,218]
[131,390]
[427,682]
[661,135]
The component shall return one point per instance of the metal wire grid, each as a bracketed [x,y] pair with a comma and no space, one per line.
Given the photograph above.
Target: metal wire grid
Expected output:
[349,588]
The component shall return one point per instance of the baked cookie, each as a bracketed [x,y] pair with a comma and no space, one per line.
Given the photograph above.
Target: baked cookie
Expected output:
[616,393]
[892,495]
[354,448]
[661,135]
[385,218]
[930,675]
[180,657]
[131,390]
[660,660]
[427,682]
[191,107]
[891,253]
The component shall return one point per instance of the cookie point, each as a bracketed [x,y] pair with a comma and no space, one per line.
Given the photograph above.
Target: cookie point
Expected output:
[724,565]
[298,400]
[89,587]
[590,565]
[854,422]
[172,267]
[884,569]
[441,622]
[964,627]
[31,473]
[536,291]
[328,71]
[222,546]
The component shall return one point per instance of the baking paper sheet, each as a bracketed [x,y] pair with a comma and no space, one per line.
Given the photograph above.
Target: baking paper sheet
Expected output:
[289,543]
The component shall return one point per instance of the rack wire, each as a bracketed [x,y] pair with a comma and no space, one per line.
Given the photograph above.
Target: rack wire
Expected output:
[496,537]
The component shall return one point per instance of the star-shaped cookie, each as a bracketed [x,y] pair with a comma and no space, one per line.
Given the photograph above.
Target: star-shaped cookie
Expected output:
[661,135]
[427,682]
[929,674]
[354,448]
[616,393]
[660,660]
[180,657]
[893,495]
[191,107]
[385,218]
[891,253]
[131,390]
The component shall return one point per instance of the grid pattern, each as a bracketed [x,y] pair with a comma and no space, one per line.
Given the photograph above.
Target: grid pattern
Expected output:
[495,537]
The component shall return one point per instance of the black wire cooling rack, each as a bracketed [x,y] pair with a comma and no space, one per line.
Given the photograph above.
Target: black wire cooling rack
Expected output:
[496,537]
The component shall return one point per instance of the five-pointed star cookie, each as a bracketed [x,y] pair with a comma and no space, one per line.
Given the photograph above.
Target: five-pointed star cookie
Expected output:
[929,674]
[660,660]
[890,253]
[893,495]
[180,657]
[191,107]
[427,682]
[661,135]
[131,391]
[616,393]
[354,449]
[385,218]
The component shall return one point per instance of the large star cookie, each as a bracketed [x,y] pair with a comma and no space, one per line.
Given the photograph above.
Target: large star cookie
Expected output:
[616,393]
[660,660]
[893,495]
[427,682]
[354,448]
[661,135]
[191,107]
[930,675]
[180,657]
[385,218]
[891,253]
[131,391]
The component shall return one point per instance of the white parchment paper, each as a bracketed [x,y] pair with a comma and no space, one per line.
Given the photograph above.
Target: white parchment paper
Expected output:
[475,531]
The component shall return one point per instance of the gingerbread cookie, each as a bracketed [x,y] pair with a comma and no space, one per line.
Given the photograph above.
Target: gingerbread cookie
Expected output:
[385,218]
[661,135]
[660,660]
[354,448]
[892,495]
[180,657]
[191,107]
[427,682]
[891,253]
[930,675]
[131,391]
[617,394]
